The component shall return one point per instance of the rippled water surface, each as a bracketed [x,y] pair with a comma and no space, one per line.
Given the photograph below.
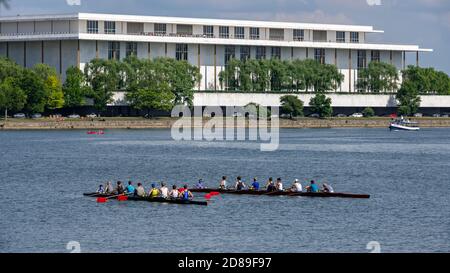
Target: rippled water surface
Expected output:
[44,173]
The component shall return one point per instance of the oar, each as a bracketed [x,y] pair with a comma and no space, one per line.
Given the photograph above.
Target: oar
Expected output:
[105,199]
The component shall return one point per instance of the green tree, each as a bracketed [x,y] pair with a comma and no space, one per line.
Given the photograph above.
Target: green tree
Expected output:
[292,106]
[408,98]
[55,93]
[427,80]
[9,68]
[378,77]
[104,78]
[74,88]
[321,105]
[34,88]
[368,112]
[157,98]
[11,96]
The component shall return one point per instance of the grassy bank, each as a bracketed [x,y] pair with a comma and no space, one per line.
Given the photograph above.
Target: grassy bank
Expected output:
[162,123]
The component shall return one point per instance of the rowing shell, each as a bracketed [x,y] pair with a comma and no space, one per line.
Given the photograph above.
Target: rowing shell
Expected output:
[285,193]
[153,200]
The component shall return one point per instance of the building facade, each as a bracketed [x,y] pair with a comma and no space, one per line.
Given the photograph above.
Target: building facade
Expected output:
[63,41]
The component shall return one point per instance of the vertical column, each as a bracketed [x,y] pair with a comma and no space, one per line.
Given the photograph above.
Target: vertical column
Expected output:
[149,51]
[349,70]
[404,59]
[78,55]
[335,56]
[215,67]
[165,50]
[96,49]
[390,56]
[7,50]
[417,58]
[24,54]
[292,53]
[307,53]
[60,58]
[199,65]
[42,52]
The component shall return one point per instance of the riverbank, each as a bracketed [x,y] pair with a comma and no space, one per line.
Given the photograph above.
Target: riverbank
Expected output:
[164,123]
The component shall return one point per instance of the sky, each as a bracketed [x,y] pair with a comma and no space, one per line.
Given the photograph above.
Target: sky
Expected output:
[419,22]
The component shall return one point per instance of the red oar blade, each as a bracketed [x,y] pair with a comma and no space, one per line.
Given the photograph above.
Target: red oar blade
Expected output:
[208,196]
[122,198]
[215,193]
[102,200]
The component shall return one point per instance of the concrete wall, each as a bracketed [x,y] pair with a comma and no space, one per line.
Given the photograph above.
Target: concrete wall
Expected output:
[338,100]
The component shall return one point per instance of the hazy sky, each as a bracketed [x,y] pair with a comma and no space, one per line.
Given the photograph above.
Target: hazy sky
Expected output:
[422,22]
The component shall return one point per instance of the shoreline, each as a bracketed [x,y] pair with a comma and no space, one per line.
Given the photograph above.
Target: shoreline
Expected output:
[166,123]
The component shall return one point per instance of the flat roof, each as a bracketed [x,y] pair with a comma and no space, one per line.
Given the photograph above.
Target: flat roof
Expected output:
[190,21]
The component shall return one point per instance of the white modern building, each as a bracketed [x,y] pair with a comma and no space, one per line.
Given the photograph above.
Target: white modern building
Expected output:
[63,41]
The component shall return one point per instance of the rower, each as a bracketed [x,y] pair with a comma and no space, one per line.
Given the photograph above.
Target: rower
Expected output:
[240,185]
[327,188]
[119,188]
[313,187]
[187,194]
[296,187]
[140,191]
[174,193]
[164,190]
[279,185]
[130,188]
[154,192]
[200,184]
[270,185]
[100,190]
[223,183]
[109,188]
[255,184]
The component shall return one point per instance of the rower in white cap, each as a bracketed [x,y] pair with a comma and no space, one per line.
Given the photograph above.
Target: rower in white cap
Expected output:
[296,187]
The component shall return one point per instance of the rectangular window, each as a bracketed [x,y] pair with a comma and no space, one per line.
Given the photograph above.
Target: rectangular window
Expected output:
[319,55]
[299,35]
[319,36]
[224,32]
[245,53]
[340,36]
[362,60]
[135,28]
[110,27]
[239,33]
[160,28]
[276,34]
[131,49]
[375,56]
[208,31]
[276,53]
[92,26]
[113,51]
[230,53]
[184,30]
[181,53]
[354,37]
[254,33]
[260,52]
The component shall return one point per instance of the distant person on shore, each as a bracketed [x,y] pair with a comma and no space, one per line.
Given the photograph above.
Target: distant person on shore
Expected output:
[119,188]
[164,191]
[270,185]
[109,189]
[101,190]
[130,188]
[255,184]
[154,192]
[174,193]
[140,190]
[279,185]
[296,187]
[223,183]
[327,188]
[312,187]
[200,184]
[239,185]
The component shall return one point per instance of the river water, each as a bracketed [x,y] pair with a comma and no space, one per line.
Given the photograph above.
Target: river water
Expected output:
[43,175]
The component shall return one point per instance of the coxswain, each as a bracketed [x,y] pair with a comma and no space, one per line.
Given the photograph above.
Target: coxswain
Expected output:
[200,184]
[100,190]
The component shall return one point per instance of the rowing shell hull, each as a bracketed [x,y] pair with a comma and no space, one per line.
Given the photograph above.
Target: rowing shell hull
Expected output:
[284,193]
[153,200]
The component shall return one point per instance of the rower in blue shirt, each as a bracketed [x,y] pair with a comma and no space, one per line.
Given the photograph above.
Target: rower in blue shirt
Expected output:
[255,184]
[313,187]
[130,188]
